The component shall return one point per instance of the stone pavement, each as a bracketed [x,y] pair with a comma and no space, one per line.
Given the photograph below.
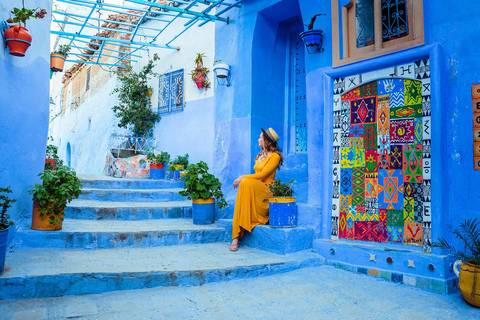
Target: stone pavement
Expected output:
[311,293]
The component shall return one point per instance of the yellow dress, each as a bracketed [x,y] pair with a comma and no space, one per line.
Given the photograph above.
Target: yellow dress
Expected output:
[251,207]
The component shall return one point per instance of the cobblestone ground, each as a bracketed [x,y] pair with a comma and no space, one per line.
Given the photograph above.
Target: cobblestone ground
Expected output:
[312,293]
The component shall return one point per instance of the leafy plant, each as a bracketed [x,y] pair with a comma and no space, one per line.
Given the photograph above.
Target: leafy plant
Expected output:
[200,57]
[162,157]
[200,70]
[5,203]
[206,84]
[280,189]
[199,184]
[135,107]
[22,15]
[217,61]
[52,150]
[469,234]
[63,49]
[181,160]
[59,186]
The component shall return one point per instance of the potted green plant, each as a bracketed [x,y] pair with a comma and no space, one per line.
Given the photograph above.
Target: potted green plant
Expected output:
[59,186]
[157,163]
[468,255]
[58,57]
[282,208]
[5,224]
[178,164]
[199,74]
[202,188]
[17,37]
[134,109]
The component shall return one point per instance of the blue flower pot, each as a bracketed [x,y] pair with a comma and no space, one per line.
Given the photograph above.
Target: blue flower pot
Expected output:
[203,211]
[3,248]
[282,212]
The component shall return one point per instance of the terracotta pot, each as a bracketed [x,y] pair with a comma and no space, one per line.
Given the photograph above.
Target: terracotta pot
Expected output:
[57,61]
[18,40]
[199,81]
[43,222]
[156,165]
[469,282]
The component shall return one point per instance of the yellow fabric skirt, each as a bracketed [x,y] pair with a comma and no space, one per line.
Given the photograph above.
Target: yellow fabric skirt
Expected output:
[251,207]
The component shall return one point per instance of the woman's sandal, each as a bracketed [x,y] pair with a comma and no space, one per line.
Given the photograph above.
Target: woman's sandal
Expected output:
[233,247]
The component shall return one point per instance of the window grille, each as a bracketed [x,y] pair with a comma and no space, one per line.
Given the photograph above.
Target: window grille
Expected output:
[365,23]
[170,93]
[394,19]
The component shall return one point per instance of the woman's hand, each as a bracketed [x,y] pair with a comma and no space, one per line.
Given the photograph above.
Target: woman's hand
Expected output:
[236,183]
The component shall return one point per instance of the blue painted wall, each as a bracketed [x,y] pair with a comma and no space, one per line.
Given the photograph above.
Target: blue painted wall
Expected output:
[24,106]
[257,98]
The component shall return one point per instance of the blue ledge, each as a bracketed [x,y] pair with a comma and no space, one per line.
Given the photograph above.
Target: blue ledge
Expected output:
[276,240]
[427,271]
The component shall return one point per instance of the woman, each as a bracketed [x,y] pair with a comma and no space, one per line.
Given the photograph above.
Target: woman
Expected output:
[251,207]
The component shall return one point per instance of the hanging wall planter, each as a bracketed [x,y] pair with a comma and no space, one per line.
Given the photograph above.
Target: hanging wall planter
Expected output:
[199,81]
[18,40]
[313,39]
[57,61]
[199,74]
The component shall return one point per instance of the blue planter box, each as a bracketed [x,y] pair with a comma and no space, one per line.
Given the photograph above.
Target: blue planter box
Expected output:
[282,212]
[203,211]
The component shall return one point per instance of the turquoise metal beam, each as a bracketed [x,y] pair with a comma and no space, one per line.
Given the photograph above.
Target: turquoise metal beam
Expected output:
[177,16]
[206,10]
[229,7]
[91,11]
[116,63]
[100,52]
[106,8]
[97,56]
[90,62]
[101,28]
[73,35]
[202,16]
[106,42]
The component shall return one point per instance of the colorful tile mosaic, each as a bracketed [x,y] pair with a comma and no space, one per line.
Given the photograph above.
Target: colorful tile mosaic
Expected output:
[382,144]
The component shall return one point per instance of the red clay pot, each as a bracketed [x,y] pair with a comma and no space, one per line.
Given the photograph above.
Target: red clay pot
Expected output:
[156,166]
[18,40]
[199,81]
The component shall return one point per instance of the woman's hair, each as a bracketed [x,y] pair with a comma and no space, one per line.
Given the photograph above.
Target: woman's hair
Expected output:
[269,146]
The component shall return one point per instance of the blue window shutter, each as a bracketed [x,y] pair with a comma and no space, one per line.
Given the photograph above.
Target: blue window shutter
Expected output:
[170,96]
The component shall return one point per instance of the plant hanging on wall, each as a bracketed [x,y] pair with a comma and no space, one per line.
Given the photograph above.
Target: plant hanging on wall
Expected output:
[17,37]
[135,106]
[199,74]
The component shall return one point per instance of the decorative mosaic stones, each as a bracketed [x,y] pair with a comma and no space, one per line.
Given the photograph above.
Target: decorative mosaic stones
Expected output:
[385,174]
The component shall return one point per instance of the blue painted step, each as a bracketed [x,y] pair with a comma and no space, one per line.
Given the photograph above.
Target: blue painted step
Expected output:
[277,240]
[119,210]
[104,182]
[98,234]
[144,195]
[40,272]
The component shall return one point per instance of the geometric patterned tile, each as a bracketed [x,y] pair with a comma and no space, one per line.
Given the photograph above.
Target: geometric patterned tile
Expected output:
[413,234]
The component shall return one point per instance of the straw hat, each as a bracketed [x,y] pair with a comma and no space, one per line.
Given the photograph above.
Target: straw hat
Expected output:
[271,135]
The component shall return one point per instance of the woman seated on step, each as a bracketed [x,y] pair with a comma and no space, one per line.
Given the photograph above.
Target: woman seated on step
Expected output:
[251,207]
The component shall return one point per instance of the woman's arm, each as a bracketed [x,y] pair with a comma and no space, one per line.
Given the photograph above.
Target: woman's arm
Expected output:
[269,168]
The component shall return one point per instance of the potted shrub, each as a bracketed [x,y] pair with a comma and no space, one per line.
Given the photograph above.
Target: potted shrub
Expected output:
[59,186]
[202,188]
[5,224]
[468,259]
[199,74]
[282,208]
[57,58]
[157,163]
[17,37]
[134,109]
[178,164]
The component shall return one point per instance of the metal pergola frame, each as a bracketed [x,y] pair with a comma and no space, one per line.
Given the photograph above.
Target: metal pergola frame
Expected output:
[193,11]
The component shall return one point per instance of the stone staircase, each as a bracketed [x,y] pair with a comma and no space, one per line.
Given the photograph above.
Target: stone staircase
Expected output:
[133,233]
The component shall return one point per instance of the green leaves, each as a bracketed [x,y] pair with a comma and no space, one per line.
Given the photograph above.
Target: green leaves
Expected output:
[5,203]
[59,186]
[63,49]
[162,157]
[22,15]
[135,107]
[199,183]
[280,189]
[468,233]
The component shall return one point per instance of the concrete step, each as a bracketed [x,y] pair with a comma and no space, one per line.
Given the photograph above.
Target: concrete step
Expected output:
[277,240]
[42,272]
[143,195]
[102,234]
[105,182]
[123,210]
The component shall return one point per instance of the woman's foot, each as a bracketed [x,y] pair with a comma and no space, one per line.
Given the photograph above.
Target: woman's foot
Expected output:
[234,245]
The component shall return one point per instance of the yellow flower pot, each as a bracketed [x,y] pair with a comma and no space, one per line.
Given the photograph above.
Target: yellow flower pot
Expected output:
[469,282]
